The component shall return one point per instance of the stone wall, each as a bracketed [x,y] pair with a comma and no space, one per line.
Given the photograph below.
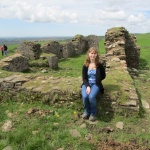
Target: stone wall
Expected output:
[120,43]
[80,43]
[30,50]
[132,52]
[53,62]
[93,41]
[53,47]
[121,53]
[15,63]
[68,50]
[47,89]
[46,60]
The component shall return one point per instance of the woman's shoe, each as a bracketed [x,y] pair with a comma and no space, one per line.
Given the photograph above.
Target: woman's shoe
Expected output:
[85,116]
[92,118]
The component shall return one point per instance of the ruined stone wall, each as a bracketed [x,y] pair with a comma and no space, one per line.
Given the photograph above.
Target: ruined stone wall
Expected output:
[68,50]
[81,45]
[47,89]
[121,53]
[93,41]
[120,43]
[78,45]
[15,63]
[53,47]
[132,52]
[30,50]
[33,51]
[46,60]
[53,62]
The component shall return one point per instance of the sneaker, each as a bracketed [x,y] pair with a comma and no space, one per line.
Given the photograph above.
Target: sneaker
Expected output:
[85,116]
[92,118]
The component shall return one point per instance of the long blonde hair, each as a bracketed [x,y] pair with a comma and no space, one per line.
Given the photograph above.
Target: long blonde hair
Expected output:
[87,59]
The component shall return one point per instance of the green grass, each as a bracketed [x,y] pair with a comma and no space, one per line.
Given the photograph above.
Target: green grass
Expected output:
[141,82]
[143,42]
[70,67]
[52,130]
[101,47]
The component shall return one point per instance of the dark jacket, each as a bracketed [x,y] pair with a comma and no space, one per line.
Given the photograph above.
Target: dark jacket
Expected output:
[5,48]
[100,75]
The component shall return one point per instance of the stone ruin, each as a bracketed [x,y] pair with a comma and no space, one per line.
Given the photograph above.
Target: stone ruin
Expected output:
[68,50]
[80,44]
[120,46]
[30,50]
[122,53]
[15,63]
[53,47]
[119,43]
[55,50]
[93,41]
[52,62]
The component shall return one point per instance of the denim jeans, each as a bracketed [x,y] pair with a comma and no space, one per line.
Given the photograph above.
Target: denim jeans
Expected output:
[5,53]
[89,100]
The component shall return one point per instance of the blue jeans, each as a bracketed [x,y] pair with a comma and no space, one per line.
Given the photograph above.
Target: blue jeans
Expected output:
[89,100]
[5,53]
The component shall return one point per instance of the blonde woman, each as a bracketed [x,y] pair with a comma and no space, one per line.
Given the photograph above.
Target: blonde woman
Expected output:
[93,73]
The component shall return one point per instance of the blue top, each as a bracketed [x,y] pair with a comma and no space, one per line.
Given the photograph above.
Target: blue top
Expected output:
[92,76]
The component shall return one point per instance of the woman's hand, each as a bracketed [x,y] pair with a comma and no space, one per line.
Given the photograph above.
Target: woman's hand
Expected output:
[88,90]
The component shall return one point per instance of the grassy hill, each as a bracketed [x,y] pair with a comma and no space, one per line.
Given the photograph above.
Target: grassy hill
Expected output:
[45,127]
[143,42]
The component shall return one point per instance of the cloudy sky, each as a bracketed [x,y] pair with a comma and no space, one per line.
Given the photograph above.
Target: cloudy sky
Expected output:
[28,18]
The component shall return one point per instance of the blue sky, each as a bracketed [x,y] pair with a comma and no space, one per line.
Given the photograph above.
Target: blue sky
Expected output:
[28,18]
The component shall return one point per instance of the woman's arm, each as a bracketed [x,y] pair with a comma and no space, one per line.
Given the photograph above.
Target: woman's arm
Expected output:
[84,76]
[103,73]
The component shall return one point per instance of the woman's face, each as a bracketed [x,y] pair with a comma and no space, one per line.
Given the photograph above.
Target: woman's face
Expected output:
[92,55]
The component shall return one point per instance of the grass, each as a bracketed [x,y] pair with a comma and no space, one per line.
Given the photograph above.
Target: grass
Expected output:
[141,82]
[70,66]
[49,126]
[52,131]
[143,42]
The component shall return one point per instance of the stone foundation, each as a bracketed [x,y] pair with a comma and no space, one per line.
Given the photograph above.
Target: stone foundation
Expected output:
[49,90]
[15,63]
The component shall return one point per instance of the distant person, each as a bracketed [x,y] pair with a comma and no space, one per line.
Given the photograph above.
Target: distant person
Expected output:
[93,73]
[5,50]
[2,49]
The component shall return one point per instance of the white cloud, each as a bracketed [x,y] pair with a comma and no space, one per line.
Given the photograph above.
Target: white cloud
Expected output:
[132,14]
[37,12]
[72,11]
[140,18]
[112,15]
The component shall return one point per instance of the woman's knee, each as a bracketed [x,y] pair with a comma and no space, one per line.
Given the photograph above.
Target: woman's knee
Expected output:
[92,101]
[92,97]
[85,96]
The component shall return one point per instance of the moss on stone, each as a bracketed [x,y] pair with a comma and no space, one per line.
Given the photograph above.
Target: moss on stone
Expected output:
[47,55]
[38,63]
